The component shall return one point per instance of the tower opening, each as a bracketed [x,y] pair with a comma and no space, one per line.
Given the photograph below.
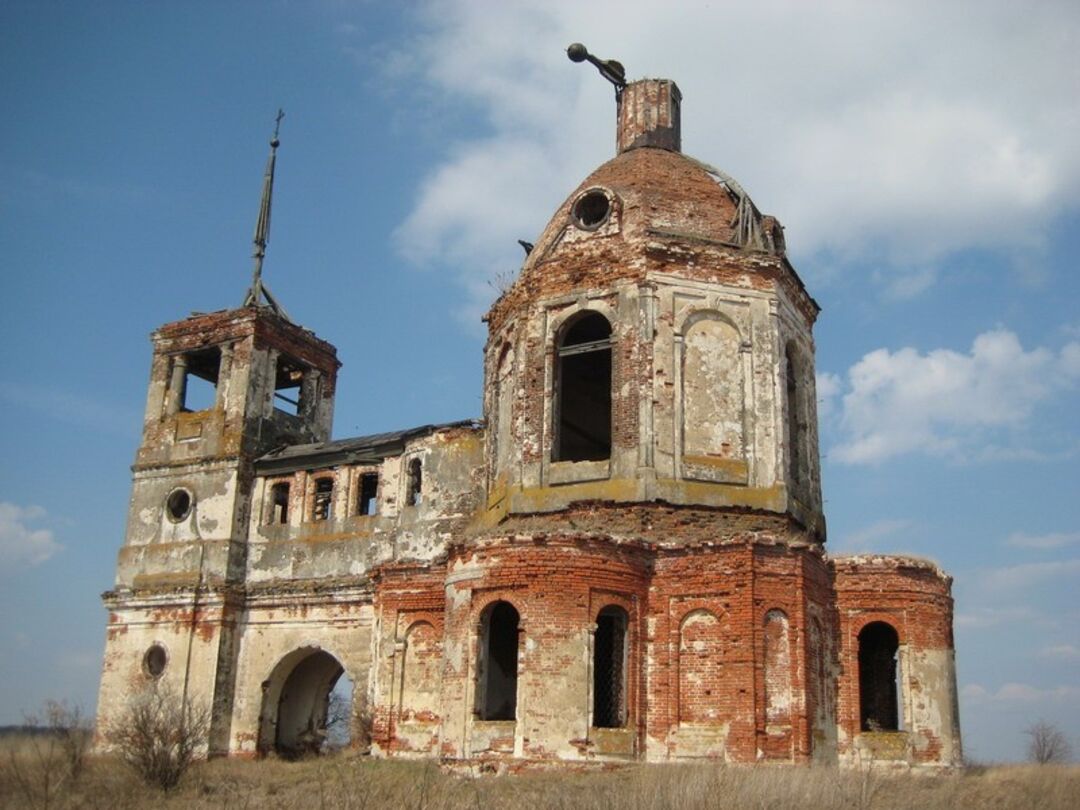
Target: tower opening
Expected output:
[498,663]
[583,391]
[199,392]
[609,668]
[878,693]
[367,502]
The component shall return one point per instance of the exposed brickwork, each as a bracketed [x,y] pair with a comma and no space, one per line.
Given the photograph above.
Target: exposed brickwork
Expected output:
[668,579]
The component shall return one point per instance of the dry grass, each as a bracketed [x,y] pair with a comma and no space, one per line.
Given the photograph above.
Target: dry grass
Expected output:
[349,782]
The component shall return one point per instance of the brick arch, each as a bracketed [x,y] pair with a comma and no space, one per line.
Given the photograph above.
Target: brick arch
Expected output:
[689,319]
[558,324]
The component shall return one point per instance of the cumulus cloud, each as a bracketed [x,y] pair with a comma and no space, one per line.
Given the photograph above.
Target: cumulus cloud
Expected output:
[1018,693]
[20,545]
[945,402]
[1027,575]
[867,538]
[898,132]
[1043,542]
[980,618]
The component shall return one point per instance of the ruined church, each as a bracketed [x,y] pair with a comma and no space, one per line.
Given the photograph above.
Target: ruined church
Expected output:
[623,560]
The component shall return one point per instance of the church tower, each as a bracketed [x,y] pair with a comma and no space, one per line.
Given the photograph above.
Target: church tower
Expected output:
[225,388]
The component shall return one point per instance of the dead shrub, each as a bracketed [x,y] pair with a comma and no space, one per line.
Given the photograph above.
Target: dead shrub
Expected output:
[1048,744]
[160,735]
[51,757]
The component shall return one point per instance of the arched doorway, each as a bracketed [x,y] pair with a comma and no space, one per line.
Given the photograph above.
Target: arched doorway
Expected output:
[879,694]
[297,704]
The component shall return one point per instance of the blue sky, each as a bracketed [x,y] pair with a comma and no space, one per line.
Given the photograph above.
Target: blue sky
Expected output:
[921,156]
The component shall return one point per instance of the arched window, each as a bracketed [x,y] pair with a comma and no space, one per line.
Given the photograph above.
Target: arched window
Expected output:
[795,430]
[878,693]
[609,668]
[583,391]
[415,483]
[497,665]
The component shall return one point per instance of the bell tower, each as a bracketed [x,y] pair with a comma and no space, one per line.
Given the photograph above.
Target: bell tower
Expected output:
[225,388]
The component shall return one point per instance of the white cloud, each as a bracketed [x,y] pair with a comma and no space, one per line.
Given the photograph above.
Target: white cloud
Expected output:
[983,617]
[945,402]
[1026,575]
[21,545]
[867,538]
[1066,652]
[1018,693]
[897,132]
[1043,542]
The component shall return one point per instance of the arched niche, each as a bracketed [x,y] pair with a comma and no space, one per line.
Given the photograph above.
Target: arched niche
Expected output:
[713,398]
[421,673]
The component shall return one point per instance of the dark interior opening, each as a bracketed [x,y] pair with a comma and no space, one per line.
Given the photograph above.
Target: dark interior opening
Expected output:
[583,385]
[288,385]
[592,209]
[500,659]
[794,431]
[414,487]
[878,704]
[178,505]
[369,490]
[324,497]
[609,669]
[201,379]
[279,503]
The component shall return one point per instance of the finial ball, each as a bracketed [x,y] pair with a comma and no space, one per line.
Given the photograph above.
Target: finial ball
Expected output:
[275,143]
[577,52]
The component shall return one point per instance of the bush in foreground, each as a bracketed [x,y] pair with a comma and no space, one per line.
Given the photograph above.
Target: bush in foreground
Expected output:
[160,735]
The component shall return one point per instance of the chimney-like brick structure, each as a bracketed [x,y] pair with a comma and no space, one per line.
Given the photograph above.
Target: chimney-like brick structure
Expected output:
[649,115]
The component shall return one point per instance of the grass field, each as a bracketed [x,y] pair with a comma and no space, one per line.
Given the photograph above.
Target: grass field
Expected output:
[359,783]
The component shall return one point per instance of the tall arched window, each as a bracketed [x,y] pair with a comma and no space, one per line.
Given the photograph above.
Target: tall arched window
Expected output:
[583,390]
[609,668]
[878,693]
[497,673]
[795,430]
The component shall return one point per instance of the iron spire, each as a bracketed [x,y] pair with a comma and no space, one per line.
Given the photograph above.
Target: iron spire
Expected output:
[259,291]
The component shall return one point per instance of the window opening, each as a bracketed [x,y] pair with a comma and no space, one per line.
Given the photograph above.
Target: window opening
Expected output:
[609,669]
[279,503]
[178,505]
[288,386]
[155,660]
[199,391]
[583,391]
[324,497]
[794,430]
[413,490]
[499,663]
[878,692]
[368,503]
[591,210]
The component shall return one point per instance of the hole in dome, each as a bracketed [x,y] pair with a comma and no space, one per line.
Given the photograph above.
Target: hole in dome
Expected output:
[592,209]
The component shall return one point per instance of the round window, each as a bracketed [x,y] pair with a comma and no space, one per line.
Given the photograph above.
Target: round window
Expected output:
[178,505]
[591,210]
[154,660]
